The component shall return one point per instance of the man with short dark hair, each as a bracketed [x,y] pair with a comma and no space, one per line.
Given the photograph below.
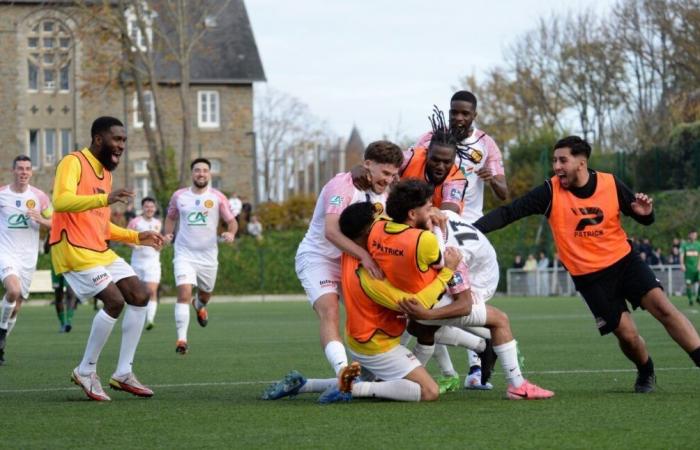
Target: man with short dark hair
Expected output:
[317,261]
[80,230]
[196,210]
[23,209]
[583,208]
[146,260]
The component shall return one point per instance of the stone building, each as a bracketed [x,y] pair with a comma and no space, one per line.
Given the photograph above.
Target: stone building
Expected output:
[47,102]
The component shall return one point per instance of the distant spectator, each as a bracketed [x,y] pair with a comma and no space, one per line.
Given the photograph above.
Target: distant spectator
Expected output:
[675,256]
[235,204]
[255,228]
[531,268]
[656,258]
[676,244]
[542,261]
[246,210]
[643,256]
[518,262]
[645,246]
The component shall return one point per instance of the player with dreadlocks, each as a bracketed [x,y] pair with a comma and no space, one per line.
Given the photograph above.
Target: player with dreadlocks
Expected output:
[436,165]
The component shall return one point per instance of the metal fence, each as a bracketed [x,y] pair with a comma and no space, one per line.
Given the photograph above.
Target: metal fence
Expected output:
[557,281]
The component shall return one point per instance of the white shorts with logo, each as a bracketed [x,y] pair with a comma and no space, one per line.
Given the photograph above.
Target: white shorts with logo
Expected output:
[318,275]
[188,271]
[148,273]
[7,268]
[88,283]
[392,365]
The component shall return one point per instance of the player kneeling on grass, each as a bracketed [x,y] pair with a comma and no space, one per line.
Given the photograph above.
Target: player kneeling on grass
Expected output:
[409,254]
[373,334]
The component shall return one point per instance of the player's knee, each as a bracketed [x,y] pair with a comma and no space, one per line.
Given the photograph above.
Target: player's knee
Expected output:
[114,306]
[13,293]
[497,317]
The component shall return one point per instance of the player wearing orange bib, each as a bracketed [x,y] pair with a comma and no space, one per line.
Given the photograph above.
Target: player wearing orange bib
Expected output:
[583,208]
[80,230]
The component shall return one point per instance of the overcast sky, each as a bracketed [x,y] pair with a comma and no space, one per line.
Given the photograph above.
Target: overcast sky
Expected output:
[382,64]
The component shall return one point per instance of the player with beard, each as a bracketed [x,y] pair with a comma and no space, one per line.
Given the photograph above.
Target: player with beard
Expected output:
[583,209]
[23,209]
[197,210]
[80,230]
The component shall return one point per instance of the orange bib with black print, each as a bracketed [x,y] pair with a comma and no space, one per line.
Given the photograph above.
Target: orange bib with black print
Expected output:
[587,232]
[86,229]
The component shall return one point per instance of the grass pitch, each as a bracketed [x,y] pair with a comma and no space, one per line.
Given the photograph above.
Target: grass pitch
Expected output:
[209,398]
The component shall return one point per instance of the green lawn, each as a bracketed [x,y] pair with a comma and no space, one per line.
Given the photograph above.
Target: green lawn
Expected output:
[209,398]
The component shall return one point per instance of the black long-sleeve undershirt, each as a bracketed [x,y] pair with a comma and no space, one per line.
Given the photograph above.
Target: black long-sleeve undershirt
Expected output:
[539,201]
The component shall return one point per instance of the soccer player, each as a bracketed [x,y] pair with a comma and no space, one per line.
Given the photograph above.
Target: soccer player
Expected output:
[23,209]
[197,211]
[408,254]
[373,333]
[317,261]
[479,158]
[80,230]
[583,208]
[146,260]
[689,252]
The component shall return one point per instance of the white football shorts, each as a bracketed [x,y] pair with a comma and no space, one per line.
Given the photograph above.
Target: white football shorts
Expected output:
[195,273]
[88,283]
[8,268]
[392,365]
[318,275]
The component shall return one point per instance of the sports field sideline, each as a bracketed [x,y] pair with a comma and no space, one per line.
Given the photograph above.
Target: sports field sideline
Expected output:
[209,398]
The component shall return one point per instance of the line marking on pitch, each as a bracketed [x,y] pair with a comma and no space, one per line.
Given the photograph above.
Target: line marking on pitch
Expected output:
[245,383]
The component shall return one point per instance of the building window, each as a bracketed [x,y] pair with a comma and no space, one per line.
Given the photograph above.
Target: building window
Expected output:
[33,72]
[141,167]
[142,189]
[66,141]
[49,147]
[215,166]
[49,61]
[137,38]
[216,182]
[208,109]
[149,106]
[33,147]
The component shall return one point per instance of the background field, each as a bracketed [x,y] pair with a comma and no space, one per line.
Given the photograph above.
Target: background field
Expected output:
[209,398]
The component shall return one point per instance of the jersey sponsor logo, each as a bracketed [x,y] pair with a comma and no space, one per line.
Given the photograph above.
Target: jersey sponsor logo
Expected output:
[197,218]
[336,200]
[597,218]
[388,250]
[208,203]
[31,204]
[455,194]
[472,154]
[18,221]
[18,203]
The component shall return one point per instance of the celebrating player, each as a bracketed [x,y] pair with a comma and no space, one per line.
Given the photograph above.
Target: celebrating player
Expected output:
[80,230]
[583,208]
[23,209]
[197,210]
[317,260]
[146,260]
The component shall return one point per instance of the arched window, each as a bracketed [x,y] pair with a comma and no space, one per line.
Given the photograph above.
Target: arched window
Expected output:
[49,45]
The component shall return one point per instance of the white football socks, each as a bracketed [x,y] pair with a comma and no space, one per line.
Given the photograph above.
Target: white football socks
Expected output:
[460,338]
[401,390]
[11,324]
[6,309]
[318,384]
[132,327]
[442,357]
[406,338]
[508,355]
[151,310]
[473,359]
[335,354]
[423,353]
[182,320]
[102,326]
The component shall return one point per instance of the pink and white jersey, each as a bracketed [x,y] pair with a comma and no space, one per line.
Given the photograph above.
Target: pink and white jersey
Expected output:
[474,152]
[336,195]
[198,216]
[19,234]
[143,256]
